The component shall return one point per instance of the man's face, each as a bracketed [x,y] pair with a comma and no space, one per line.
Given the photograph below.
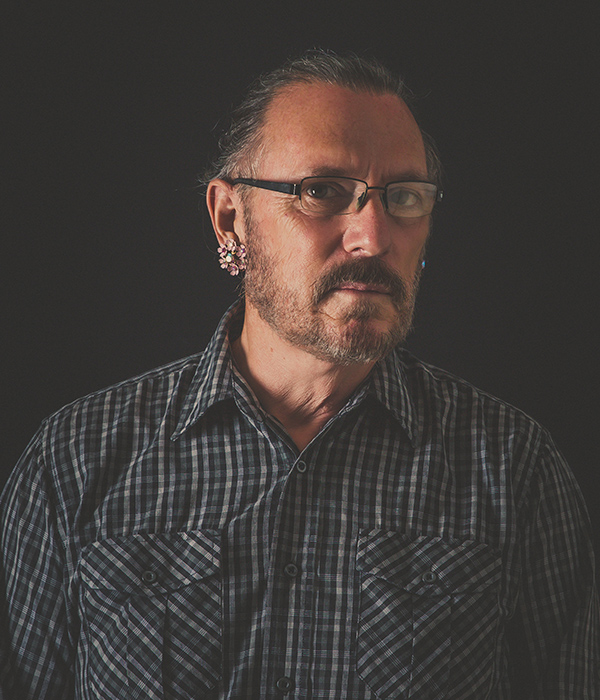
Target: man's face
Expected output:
[341,287]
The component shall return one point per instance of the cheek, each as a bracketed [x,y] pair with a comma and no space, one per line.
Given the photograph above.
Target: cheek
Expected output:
[298,244]
[275,250]
[411,242]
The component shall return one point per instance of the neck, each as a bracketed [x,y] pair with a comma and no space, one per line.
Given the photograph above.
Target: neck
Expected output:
[298,389]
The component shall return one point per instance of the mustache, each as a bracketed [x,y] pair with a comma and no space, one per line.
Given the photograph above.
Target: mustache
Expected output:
[365,271]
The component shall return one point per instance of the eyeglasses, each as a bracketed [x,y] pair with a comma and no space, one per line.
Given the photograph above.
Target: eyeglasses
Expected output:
[330,196]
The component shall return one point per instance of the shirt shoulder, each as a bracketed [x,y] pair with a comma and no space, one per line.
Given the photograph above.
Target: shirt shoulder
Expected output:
[427,378]
[116,419]
[440,396]
[156,388]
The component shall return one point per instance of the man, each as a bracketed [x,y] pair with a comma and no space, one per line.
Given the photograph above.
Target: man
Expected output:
[304,510]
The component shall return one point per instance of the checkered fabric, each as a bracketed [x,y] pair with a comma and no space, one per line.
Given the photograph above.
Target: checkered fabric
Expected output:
[164,539]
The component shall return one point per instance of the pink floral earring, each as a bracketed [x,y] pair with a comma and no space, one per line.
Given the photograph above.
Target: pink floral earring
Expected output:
[232,256]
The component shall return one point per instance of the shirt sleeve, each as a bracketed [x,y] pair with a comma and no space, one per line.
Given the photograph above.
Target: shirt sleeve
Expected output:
[35,654]
[559,600]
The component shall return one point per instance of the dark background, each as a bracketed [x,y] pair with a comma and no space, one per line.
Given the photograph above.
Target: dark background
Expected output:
[108,263]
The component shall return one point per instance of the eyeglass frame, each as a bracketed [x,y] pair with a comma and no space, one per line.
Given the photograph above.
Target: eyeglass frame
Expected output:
[296,189]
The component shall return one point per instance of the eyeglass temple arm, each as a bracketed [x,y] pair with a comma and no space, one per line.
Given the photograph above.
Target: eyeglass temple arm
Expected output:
[284,187]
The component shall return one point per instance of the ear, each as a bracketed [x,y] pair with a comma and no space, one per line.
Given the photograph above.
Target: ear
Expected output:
[225,209]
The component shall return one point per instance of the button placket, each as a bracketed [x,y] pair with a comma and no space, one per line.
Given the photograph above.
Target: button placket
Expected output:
[291,582]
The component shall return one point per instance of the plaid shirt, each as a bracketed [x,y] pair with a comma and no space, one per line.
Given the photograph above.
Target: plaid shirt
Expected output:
[164,538]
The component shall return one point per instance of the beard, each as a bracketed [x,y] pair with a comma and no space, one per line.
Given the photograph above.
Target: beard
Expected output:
[300,319]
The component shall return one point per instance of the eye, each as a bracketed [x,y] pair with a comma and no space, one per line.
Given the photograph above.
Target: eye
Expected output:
[324,189]
[411,199]
[404,197]
[327,196]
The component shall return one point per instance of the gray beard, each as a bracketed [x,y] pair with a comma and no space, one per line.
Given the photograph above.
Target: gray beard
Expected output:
[304,326]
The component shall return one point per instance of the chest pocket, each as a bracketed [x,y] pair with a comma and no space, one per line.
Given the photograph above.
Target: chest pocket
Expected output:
[429,616]
[151,609]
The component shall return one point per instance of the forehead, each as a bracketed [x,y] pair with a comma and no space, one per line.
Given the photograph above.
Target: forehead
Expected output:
[313,127]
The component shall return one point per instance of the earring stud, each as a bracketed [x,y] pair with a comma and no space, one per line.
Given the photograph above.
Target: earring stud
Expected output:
[232,256]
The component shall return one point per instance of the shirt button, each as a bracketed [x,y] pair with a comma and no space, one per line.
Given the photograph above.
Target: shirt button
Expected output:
[284,684]
[429,577]
[149,577]
[291,570]
[301,467]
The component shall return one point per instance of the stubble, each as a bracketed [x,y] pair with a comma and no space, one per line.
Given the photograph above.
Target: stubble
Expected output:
[300,319]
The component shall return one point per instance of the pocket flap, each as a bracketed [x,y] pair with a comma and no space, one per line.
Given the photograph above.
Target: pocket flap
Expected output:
[151,561]
[428,565]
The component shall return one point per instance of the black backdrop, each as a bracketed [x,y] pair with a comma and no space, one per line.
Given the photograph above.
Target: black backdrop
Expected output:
[108,267]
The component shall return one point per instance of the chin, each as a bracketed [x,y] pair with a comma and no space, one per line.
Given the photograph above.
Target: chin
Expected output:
[357,346]
[380,315]
[360,341]
[382,322]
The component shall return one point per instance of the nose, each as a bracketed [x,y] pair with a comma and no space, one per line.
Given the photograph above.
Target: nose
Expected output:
[368,231]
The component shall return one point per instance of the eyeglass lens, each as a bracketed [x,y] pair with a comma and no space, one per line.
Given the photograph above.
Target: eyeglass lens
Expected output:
[330,196]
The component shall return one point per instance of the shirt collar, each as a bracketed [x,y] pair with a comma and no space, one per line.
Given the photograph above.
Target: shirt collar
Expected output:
[213,380]
[389,385]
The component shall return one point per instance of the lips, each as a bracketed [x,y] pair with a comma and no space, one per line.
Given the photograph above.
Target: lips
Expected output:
[364,287]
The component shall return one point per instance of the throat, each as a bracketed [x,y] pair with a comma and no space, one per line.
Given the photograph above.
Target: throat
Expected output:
[303,432]
[300,391]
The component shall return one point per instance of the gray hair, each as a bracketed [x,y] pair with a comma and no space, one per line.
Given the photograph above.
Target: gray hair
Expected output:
[240,143]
